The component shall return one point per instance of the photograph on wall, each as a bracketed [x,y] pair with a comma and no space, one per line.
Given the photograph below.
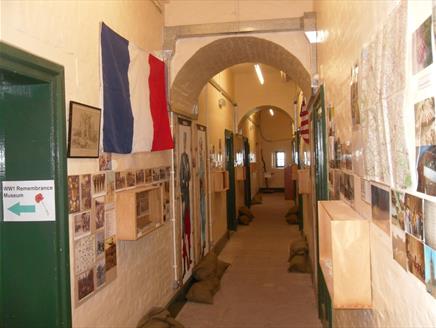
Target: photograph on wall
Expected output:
[365,191]
[347,186]
[140,177]
[425,122]
[201,186]
[105,161]
[430,223]
[337,184]
[355,113]
[148,175]
[120,180]
[430,270]
[414,216]
[73,194]
[380,207]
[99,184]
[421,46]
[82,224]
[130,178]
[426,169]
[110,187]
[184,146]
[84,253]
[399,246]
[100,272]
[85,284]
[99,209]
[110,250]
[415,257]
[99,243]
[110,223]
[84,131]
[398,208]
[156,174]
[85,192]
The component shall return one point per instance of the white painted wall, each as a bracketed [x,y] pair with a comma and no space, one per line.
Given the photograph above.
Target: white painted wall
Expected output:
[67,32]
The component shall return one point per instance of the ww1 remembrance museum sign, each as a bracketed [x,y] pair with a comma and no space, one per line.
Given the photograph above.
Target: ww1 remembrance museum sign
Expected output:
[25,201]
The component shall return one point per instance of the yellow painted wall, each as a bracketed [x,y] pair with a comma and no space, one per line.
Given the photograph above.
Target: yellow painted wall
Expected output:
[399,299]
[67,32]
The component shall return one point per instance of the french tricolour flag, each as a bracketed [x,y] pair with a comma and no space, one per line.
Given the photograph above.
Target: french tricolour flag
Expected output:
[135,117]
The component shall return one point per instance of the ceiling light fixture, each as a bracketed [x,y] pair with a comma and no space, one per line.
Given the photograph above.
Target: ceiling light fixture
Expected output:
[316,36]
[259,73]
[271,112]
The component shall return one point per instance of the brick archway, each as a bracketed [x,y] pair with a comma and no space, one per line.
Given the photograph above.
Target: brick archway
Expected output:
[226,52]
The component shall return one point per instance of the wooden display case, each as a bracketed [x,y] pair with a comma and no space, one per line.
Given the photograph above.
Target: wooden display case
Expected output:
[344,255]
[139,211]
[304,182]
[220,179]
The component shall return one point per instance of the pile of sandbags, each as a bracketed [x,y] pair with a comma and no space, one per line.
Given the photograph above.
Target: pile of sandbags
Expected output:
[299,256]
[159,318]
[207,274]
[245,215]
[292,215]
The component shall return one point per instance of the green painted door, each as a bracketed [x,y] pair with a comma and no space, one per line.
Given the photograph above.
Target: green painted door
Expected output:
[232,223]
[247,181]
[317,111]
[34,261]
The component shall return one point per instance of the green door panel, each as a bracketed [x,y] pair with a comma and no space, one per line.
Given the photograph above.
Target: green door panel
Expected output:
[34,256]
[232,222]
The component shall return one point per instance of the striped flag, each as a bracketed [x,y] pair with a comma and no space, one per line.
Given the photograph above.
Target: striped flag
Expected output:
[135,117]
[304,119]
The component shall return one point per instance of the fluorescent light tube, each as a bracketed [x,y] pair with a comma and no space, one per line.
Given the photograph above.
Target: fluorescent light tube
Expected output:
[259,73]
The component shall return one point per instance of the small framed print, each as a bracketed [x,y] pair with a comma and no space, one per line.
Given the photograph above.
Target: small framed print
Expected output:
[84,131]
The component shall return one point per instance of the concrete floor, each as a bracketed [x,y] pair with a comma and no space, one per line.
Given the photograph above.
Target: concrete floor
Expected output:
[257,290]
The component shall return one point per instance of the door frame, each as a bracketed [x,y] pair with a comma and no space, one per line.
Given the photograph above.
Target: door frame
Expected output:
[232,223]
[26,64]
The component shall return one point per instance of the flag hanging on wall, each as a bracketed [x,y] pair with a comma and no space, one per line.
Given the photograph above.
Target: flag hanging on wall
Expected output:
[304,119]
[135,117]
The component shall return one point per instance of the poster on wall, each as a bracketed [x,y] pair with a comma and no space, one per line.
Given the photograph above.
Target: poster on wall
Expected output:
[185,213]
[430,223]
[430,270]
[415,257]
[421,46]
[202,189]
[426,169]
[399,246]
[380,207]
[414,218]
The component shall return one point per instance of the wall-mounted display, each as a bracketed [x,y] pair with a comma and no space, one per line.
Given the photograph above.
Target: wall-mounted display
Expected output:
[82,224]
[425,122]
[99,211]
[98,184]
[430,270]
[130,179]
[414,218]
[110,187]
[426,169]
[380,207]
[105,161]
[421,46]
[120,180]
[84,131]
[148,176]
[415,257]
[430,223]
[140,177]
[398,209]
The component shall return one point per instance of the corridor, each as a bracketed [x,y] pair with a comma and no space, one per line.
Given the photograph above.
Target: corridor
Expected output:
[257,290]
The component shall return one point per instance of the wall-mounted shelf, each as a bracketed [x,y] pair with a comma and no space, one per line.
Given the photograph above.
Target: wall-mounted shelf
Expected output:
[220,179]
[344,255]
[139,211]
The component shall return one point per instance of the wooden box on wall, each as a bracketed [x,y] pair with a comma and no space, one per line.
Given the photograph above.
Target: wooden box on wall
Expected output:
[139,211]
[220,180]
[344,255]
[304,182]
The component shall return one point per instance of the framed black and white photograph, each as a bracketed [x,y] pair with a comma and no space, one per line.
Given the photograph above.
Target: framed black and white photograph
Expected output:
[84,131]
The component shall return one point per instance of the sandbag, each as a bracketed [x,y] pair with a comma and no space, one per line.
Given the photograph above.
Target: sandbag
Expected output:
[257,199]
[201,292]
[221,268]
[299,263]
[243,210]
[297,247]
[292,219]
[206,268]
[158,318]
[292,210]
[244,220]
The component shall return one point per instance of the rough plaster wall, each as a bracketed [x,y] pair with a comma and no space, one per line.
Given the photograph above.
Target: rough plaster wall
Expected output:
[67,32]
[217,120]
[249,93]
[203,12]
[399,299]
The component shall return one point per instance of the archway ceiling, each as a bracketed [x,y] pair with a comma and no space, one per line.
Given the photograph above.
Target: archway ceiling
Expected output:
[223,53]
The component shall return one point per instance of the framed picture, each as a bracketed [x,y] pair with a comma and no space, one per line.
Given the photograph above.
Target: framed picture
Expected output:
[84,131]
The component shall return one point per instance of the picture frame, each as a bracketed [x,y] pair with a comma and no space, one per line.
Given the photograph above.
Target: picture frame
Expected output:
[83,131]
